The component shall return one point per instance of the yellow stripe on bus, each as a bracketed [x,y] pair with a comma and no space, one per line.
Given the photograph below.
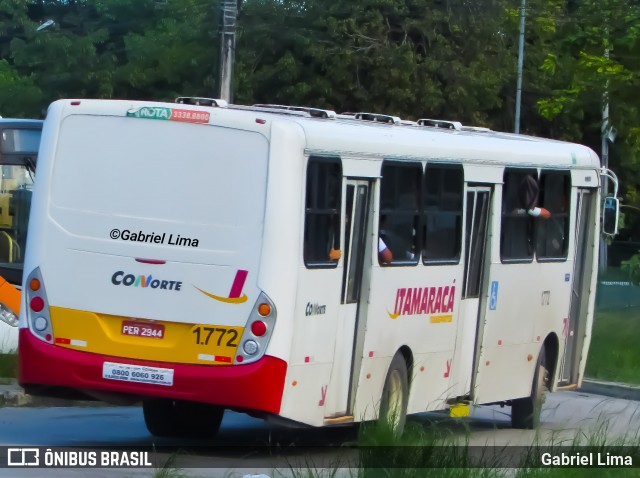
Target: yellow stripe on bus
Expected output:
[439,319]
[180,342]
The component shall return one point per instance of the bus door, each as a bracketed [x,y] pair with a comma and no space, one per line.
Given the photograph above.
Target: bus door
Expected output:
[475,261]
[351,318]
[574,328]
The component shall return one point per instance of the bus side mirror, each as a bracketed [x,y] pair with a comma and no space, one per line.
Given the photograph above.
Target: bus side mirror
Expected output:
[610,213]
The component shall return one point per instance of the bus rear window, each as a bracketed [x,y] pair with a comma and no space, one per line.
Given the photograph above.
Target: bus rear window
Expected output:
[159,171]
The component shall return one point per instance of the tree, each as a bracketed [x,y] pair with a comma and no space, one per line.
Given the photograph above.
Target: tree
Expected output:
[582,73]
[408,58]
[13,87]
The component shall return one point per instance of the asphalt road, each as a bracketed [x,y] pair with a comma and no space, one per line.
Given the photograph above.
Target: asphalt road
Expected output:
[244,445]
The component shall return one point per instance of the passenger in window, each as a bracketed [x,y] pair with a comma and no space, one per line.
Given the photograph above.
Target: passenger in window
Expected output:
[528,194]
[558,223]
[385,256]
[384,253]
[335,254]
[334,238]
[398,238]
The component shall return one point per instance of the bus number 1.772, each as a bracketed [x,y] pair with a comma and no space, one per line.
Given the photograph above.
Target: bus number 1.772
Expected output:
[206,335]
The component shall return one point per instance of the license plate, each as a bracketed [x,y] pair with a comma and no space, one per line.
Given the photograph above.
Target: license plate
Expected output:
[142,329]
[137,373]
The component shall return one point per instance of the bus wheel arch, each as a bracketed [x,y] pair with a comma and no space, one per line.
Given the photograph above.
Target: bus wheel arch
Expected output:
[525,412]
[395,393]
[178,418]
[551,349]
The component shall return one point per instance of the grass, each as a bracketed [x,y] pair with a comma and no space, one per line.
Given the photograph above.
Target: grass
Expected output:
[9,365]
[428,450]
[169,469]
[423,451]
[596,443]
[614,354]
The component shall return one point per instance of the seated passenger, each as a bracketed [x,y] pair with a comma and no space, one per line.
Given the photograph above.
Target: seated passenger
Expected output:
[384,253]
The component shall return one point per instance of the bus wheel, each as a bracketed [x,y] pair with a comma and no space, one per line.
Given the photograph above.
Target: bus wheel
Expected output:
[525,412]
[395,395]
[176,418]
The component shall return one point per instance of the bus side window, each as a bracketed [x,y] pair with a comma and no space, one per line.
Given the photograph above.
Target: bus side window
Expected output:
[400,210]
[552,235]
[517,227]
[322,212]
[442,203]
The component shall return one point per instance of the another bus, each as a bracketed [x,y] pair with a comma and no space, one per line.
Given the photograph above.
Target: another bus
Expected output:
[19,141]
[198,256]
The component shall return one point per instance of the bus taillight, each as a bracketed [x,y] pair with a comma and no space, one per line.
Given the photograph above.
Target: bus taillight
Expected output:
[38,311]
[34,285]
[258,328]
[37,304]
[264,309]
[257,333]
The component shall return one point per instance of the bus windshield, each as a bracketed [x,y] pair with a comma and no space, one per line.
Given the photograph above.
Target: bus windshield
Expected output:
[19,144]
[15,200]
[18,140]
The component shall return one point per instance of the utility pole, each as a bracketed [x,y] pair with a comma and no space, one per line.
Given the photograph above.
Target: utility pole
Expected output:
[228,19]
[605,131]
[520,62]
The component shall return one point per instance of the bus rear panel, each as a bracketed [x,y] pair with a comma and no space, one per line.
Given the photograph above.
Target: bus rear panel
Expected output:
[152,289]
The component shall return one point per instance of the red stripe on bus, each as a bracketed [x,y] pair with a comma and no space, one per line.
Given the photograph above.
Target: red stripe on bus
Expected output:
[151,261]
[228,386]
[238,284]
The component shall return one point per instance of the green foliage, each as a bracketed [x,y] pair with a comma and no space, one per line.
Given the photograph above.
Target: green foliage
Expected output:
[604,67]
[9,365]
[614,355]
[550,108]
[594,59]
[13,86]
[632,268]
[411,59]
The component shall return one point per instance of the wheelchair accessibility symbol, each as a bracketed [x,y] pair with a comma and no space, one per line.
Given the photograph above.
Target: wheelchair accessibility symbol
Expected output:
[493,297]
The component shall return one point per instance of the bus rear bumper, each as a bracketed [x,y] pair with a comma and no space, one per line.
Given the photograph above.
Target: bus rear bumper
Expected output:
[57,371]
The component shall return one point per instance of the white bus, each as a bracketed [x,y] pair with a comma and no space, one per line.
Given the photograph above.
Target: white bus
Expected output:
[200,256]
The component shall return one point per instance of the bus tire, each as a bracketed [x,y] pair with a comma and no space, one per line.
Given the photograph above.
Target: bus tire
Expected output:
[525,412]
[395,397]
[176,418]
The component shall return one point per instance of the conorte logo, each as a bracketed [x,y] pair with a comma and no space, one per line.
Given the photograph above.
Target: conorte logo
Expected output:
[23,457]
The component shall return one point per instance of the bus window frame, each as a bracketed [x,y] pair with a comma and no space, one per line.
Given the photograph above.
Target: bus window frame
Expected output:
[389,211]
[315,211]
[566,214]
[459,215]
[511,215]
